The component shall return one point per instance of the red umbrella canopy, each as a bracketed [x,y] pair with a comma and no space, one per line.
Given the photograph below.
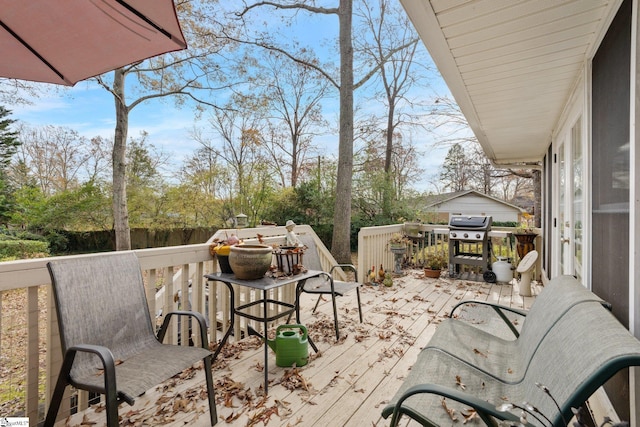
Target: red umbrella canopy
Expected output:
[65,41]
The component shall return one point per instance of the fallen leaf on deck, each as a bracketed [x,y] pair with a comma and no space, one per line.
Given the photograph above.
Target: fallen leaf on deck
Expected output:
[478,352]
[86,422]
[469,414]
[297,422]
[450,411]
[263,415]
[459,383]
[116,363]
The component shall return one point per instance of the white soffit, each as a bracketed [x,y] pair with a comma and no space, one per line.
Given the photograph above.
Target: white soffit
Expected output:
[511,65]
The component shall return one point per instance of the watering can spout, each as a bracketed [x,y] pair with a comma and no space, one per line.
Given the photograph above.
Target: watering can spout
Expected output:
[272,345]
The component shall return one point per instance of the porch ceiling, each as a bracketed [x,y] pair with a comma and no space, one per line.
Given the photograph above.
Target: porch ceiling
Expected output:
[511,65]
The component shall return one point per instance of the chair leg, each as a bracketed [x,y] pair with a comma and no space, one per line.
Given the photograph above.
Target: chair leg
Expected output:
[210,390]
[359,305]
[335,316]
[315,307]
[58,391]
[56,399]
[111,399]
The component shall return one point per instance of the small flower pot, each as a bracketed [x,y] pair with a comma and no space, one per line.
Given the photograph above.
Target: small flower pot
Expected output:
[223,261]
[433,274]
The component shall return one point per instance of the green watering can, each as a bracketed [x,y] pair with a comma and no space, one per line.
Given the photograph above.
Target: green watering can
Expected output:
[291,346]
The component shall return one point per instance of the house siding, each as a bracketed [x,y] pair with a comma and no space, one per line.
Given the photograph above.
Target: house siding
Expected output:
[472,204]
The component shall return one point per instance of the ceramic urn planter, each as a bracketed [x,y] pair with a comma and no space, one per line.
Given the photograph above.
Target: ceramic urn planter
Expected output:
[250,262]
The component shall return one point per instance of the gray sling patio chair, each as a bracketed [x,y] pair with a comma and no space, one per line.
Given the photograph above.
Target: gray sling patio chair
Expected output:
[326,285]
[107,335]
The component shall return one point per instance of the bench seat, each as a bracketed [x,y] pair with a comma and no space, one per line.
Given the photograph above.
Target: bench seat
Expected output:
[508,359]
[577,355]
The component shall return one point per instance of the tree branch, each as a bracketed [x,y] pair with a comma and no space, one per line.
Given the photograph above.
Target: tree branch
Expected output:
[383,61]
[324,10]
[290,56]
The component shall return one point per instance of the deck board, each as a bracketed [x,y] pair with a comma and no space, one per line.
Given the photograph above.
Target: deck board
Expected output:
[349,381]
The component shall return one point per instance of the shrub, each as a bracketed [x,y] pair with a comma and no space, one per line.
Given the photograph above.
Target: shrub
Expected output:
[21,249]
[58,242]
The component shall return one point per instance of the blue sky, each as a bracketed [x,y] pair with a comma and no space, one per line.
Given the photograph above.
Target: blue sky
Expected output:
[89,110]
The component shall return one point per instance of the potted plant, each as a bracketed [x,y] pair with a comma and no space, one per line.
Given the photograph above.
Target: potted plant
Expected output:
[397,242]
[525,236]
[221,249]
[434,265]
[412,228]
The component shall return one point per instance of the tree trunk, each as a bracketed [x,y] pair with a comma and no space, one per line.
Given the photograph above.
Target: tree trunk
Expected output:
[340,246]
[537,197]
[120,210]
[387,191]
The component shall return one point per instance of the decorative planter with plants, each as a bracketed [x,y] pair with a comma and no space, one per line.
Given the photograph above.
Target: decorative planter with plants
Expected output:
[525,236]
[434,264]
[525,242]
[412,229]
[397,243]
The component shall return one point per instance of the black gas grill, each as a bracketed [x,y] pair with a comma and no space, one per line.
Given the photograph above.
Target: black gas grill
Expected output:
[470,245]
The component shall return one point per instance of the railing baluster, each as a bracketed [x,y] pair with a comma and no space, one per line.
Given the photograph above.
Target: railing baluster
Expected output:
[198,304]
[168,304]
[33,353]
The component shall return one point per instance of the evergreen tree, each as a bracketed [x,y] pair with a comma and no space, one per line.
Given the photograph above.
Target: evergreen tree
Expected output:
[456,169]
[8,145]
[8,139]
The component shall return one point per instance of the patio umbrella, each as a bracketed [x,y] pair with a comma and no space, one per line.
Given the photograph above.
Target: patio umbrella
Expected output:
[65,41]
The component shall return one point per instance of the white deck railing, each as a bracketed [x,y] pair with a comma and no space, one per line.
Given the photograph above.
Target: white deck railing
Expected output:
[373,247]
[167,271]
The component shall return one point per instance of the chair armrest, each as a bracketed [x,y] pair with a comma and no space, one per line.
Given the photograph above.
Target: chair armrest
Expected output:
[108,365]
[501,311]
[496,307]
[347,266]
[484,409]
[194,314]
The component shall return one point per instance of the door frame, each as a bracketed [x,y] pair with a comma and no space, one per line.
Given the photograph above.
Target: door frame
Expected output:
[577,110]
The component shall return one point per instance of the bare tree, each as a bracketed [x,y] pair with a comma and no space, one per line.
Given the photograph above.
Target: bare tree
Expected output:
[241,131]
[57,158]
[389,28]
[185,76]
[371,181]
[346,85]
[294,92]
[203,169]
[14,91]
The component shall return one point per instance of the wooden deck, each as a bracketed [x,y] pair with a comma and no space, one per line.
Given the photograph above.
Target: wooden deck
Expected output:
[345,384]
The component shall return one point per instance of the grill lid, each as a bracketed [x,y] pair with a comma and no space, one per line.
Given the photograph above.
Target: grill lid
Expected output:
[470,222]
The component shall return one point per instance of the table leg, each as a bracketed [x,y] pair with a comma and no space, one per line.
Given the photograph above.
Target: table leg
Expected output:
[266,345]
[233,317]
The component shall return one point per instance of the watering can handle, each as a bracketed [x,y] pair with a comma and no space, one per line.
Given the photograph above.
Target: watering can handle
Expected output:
[301,327]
